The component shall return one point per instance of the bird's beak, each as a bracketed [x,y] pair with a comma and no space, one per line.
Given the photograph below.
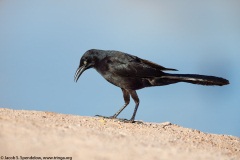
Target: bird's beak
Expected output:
[79,71]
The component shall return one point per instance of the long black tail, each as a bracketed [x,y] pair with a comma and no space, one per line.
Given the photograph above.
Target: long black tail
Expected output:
[195,79]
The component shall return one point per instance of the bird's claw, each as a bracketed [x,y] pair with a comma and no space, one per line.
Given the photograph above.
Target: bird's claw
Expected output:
[125,120]
[110,117]
[119,119]
[129,121]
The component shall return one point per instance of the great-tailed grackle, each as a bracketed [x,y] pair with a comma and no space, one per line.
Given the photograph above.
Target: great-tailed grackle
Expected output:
[131,73]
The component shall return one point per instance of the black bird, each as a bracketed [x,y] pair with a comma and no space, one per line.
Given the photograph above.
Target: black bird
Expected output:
[131,73]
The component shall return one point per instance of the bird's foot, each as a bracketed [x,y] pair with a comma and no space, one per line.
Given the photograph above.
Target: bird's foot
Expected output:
[110,117]
[124,120]
[113,117]
[129,121]
[120,119]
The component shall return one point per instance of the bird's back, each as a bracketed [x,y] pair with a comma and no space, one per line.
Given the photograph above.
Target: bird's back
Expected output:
[128,65]
[128,71]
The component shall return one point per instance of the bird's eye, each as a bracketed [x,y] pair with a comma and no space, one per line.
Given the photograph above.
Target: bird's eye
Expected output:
[84,62]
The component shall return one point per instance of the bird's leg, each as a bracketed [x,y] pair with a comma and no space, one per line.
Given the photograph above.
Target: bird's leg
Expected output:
[126,97]
[134,96]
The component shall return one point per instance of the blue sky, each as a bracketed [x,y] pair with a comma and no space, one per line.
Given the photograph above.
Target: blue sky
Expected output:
[42,41]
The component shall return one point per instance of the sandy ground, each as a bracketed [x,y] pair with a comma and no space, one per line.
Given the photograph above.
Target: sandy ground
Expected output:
[42,135]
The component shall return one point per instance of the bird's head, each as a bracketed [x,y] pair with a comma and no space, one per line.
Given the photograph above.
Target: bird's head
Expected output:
[88,60]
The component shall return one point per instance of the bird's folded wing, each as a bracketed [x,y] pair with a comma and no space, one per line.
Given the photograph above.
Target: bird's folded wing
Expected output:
[137,67]
[157,66]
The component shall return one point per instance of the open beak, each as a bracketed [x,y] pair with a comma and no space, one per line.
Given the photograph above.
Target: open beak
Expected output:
[79,71]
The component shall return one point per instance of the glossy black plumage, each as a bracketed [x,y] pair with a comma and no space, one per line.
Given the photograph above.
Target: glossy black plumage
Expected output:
[131,73]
